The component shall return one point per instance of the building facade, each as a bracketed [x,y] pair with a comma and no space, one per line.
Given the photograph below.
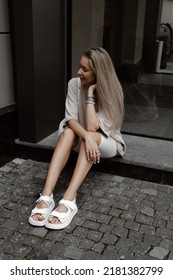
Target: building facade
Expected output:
[41,42]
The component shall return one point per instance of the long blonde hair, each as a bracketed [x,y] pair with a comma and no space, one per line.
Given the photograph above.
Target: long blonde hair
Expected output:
[109,91]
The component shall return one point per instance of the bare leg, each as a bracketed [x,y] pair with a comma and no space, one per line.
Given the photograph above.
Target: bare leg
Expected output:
[83,166]
[61,154]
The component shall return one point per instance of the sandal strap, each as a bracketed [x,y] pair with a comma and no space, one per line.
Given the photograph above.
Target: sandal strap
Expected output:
[68,203]
[47,199]
[41,211]
[60,215]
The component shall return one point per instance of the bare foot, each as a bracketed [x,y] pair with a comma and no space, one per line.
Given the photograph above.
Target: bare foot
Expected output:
[39,217]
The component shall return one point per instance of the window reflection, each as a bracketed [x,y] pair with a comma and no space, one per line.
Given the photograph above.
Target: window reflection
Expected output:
[138,36]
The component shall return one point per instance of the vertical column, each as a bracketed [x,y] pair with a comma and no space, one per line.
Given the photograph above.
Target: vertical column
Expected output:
[40,50]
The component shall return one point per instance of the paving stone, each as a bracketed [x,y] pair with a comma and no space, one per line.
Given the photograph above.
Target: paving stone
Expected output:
[147,203]
[98,193]
[3,201]
[137,256]
[166,244]
[18,250]
[125,254]
[135,235]
[162,215]
[18,160]
[164,233]
[132,225]
[148,211]
[111,253]
[94,235]
[91,225]
[86,244]
[106,228]
[57,251]
[118,222]
[143,219]
[73,253]
[90,206]
[122,205]
[120,232]
[1,193]
[170,257]
[161,205]
[124,243]
[159,253]
[36,254]
[91,216]
[103,209]
[170,225]
[32,241]
[10,224]
[4,256]
[149,191]
[103,201]
[117,179]
[152,239]
[71,240]
[47,246]
[55,236]
[2,220]
[128,215]
[104,219]
[5,169]
[109,239]
[98,247]
[81,232]
[115,189]
[159,223]
[141,247]
[90,255]
[147,229]
[115,212]
[40,231]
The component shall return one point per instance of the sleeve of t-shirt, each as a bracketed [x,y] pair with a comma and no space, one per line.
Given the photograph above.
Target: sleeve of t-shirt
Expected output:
[71,104]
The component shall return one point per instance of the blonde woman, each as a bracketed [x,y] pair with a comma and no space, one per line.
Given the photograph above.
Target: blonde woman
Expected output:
[93,118]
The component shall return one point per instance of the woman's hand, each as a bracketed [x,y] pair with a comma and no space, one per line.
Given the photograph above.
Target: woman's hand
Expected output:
[91,90]
[92,150]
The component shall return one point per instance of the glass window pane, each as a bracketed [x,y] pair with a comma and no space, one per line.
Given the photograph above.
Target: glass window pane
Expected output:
[138,35]
[141,48]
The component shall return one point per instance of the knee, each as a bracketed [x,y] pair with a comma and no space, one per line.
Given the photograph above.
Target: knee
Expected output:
[69,135]
[68,132]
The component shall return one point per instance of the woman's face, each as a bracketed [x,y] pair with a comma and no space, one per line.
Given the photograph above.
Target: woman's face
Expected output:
[85,72]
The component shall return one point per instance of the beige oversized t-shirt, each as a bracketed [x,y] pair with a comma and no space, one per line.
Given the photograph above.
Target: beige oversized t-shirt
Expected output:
[75,108]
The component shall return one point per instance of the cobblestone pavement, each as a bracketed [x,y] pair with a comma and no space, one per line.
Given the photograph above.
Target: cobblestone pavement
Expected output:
[118,218]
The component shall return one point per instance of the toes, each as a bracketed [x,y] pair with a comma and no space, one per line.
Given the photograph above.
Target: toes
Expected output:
[41,218]
[38,217]
[54,220]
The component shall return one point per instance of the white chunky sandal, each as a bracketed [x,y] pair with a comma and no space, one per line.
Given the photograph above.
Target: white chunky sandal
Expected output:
[45,212]
[64,217]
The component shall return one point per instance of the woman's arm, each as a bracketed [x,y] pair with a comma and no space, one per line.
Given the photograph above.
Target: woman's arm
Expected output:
[77,128]
[91,146]
[92,123]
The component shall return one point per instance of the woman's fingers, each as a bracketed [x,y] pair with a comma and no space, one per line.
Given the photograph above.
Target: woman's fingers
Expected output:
[93,155]
[98,156]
